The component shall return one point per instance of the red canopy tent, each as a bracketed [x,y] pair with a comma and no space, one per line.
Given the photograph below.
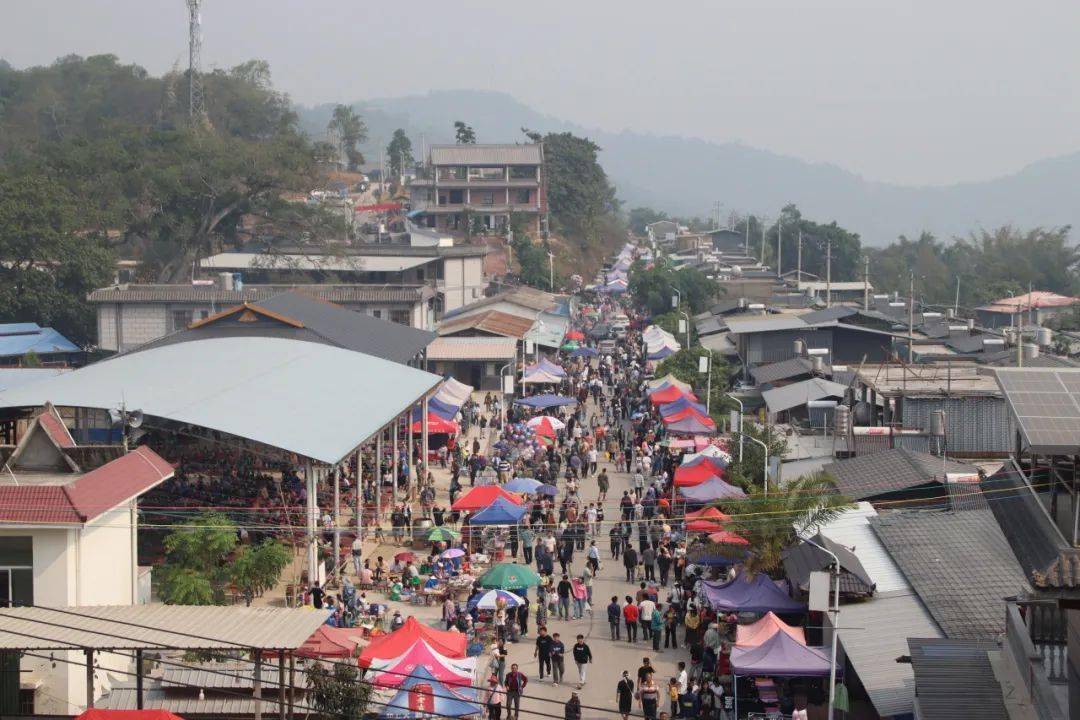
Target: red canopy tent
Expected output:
[690,475]
[387,647]
[685,413]
[726,537]
[575,335]
[669,394]
[331,642]
[703,526]
[709,513]
[102,714]
[480,497]
[437,426]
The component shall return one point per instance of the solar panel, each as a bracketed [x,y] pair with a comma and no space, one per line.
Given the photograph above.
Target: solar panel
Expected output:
[1046,404]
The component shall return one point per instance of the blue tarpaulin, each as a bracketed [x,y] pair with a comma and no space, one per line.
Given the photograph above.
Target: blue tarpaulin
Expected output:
[584,352]
[743,594]
[547,400]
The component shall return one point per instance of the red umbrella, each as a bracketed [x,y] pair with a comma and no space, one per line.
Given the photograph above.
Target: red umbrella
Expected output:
[726,537]
[437,426]
[703,526]
[575,335]
[709,513]
[480,497]
[405,556]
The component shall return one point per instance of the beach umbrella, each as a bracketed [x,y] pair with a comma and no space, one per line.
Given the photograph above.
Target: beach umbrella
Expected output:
[442,534]
[553,422]
[510,575]
[405,556]
[546,489]
[726,537]
[489,599]
[522,485]
[452,553]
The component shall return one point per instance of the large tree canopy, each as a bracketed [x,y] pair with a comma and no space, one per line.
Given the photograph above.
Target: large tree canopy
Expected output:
[579,192]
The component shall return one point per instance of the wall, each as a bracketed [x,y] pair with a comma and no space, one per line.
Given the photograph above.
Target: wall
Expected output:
[974,426]
[106,560]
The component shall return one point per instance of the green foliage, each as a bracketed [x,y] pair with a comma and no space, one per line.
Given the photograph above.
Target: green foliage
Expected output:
[338,692]
[990,264]
[654,287]
[578,189]
[752,465]
[685,365]
[464,134]
[399,153]
[847,251]
[50,265]
[255,570]
[532,259]
[768,522]
[638,218]
[350,131]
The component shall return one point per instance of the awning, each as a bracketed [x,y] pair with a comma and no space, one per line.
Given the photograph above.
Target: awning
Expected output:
[710,491]
[545,401]
[757,633]
[780,656]
[758,594]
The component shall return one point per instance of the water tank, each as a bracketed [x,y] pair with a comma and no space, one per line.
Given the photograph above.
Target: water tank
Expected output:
[225,281]
[843,420]
[1010,335]
[798,347]
[971,324]
[896,295]
[1044,337]
[1031,351]
[937,423]
[950,313]
[863,413]
[238,281]
[818,364]
[817,351]
[742,303]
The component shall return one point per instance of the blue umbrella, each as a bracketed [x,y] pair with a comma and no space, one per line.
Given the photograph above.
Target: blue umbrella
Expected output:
[522,485]
[546,489]
[488,600]
[500,512]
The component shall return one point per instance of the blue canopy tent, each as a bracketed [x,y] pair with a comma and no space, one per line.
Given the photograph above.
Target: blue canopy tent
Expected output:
[500,512]
[422,695]
[548,366]
[438,407]
[690,426]
[681,404]
[547,400]
[584,352]
[522,485]
[662,353]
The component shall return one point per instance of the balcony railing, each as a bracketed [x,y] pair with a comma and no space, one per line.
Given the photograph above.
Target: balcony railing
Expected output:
[1032,662]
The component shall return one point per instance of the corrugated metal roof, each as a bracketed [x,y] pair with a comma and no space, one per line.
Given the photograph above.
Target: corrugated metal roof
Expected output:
[549,330]
[18,339]
[326,263]
[798,394]
[960,564]
[472,348]
[834,313]
[852,529]
[134,293]
[297,396]
[183,627]
[16,377]
[783,370]
[489,154]
[891,471]
[720,343]
[530,298]
[764,323]
[491,321]
[955,680]
[1036,299]
[124,697]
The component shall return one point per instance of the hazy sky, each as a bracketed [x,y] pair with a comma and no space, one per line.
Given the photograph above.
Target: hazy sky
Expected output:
[911,91]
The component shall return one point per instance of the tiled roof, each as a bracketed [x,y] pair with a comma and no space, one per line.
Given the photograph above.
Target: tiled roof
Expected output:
[472,348]
[53,425]
[954,679]
[91,495]
[890,471]
[1036,299]
[792,367]
[492,321]
[136,293]
[527,154]
[960,564]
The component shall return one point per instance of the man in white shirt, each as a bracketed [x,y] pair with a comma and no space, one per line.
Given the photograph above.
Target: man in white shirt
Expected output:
[645,612]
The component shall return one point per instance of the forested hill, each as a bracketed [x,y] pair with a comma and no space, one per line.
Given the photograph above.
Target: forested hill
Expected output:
[685,177]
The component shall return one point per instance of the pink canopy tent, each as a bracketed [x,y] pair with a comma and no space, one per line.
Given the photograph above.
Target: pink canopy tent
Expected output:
[757,633]
[393,671]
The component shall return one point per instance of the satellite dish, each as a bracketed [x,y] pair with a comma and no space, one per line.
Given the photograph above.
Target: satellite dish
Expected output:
[116,417]
[135,418]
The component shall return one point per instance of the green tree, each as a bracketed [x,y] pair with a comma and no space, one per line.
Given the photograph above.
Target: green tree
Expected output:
[350,131]
[640,217]
[654,287]
[50,264]
[768,521]
[749,472]
[532,259]
[254,570]
[464,134]
[816,239]
[578,190]
[338,692]
[399,153]
[686,364]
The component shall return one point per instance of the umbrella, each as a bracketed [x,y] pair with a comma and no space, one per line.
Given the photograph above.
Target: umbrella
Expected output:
[702,526]
[546,489]
[575,335]
[522,485]
[570,346]
[554,423]
[500,512]
[452,553]
[726,537]
[406,556]
[489,599]
[510,575]
[443,534]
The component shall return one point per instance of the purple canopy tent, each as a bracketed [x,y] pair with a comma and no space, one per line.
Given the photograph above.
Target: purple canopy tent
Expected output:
[710,491]
[681,404]
[662,353]
[779,656]
[757,595]
[545,364]
[691,426]
[547,400]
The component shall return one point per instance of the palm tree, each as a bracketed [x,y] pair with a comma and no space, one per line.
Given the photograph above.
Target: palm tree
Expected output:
[769,522]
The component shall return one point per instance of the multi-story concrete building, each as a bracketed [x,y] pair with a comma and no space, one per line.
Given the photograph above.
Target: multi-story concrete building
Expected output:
[487,182]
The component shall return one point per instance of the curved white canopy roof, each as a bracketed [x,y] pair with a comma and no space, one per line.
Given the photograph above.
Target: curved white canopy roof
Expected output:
[315,400]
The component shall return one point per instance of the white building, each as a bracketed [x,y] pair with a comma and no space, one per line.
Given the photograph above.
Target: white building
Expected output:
[68,525]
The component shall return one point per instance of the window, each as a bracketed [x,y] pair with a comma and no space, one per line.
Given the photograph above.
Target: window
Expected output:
[16,571]
[180,319]
[523,172]
[457,197]
[521,197]
[401,317]
[376,313]
[491,369]
[486,198]
[486,173]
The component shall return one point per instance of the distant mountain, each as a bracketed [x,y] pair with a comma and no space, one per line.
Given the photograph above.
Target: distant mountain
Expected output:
[686,176]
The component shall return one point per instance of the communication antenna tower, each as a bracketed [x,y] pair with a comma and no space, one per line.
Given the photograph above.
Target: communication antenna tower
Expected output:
[196,108]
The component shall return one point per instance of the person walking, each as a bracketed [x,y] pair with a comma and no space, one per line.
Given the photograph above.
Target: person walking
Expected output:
[645,611]
[614,617]
[624,695]
[493,698]
[593,557]
[572,708]
[648,560]
[630,561]
[544,645]
[582,658]
[515,688]
[564,590]
[528,537]
[558,654]
[656,626]
[671,627]
[650,697]
[630,617]
[663,563]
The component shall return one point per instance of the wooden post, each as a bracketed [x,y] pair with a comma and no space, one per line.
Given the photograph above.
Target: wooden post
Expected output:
[257,685]
[281,684]
[292,686]
[138,680]
[89,678]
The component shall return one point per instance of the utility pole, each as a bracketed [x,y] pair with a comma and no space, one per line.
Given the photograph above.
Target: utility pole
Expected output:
[828,274]
[798,266]
[866,283]
[956,303]
[551,271]
[746,243]
[763,244]
[911,320]
[779,247]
